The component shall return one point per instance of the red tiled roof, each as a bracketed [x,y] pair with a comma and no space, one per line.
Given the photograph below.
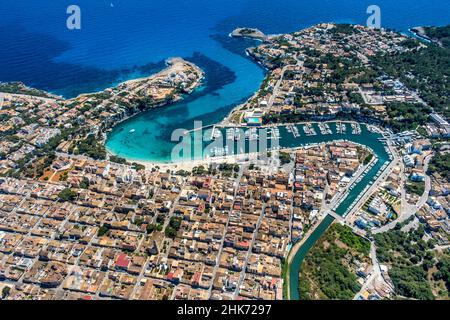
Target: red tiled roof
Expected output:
[122,261]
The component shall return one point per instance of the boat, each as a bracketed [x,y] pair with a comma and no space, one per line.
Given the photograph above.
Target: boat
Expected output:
[356,128]
[307,130]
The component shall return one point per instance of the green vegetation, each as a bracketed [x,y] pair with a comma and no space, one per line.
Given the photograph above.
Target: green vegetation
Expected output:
[103,230]
[150,228]
[5,292]
[440,164]
[284,273]
[355,97]
[426,69]
[67,195]
[117,159]
[160,218]
[199,171]
[327,271]
[352,240]
[225,167]
[285,118]
[410,258]
[342,68]
[440,34]
[346,29]
[20,88]
[423,132]
[227,170]
[91,147]
[137,166]
[285,158]
[84,184]
[173,227]
[411,282]
[443,273]
[368,159]
[138,221]
[417,188]
[183,173]
[407,116]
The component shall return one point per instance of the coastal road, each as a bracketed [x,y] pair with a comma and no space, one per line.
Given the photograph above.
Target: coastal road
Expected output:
[25,96]
[280,81]
[226,120]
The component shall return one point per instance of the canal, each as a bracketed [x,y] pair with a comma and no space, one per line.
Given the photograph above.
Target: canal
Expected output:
[370,140]
[291,138]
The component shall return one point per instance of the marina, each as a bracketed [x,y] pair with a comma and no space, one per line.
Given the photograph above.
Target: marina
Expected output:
[240,140]
[370,137]
[294,130]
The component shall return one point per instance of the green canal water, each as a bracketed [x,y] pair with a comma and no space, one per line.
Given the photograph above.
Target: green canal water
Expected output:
[368,139]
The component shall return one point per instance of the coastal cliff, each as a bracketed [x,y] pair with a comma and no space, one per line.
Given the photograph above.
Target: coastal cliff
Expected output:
[437,35]
[251,33]
[92,115]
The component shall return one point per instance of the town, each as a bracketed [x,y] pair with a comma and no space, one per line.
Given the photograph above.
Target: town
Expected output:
[79,223]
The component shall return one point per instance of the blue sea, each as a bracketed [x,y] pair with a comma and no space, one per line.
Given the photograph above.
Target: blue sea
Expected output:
[124,39]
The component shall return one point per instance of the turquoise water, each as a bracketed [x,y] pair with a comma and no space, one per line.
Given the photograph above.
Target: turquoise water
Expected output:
[133,37]
[151,138]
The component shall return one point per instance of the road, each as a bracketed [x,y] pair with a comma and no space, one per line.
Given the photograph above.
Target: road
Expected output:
[344,192]
[16,95]
[249,252]
[382,178]
[279,82]
[376,272]
[236,188]
[226,120]
[410,210]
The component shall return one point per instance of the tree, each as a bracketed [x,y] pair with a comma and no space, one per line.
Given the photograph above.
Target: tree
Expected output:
[411,282]
[175,223]
[103,230]
[84,184]
[67,195]
[443,272]
[151,228]
[5,292]
[170,232]
[160,218]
